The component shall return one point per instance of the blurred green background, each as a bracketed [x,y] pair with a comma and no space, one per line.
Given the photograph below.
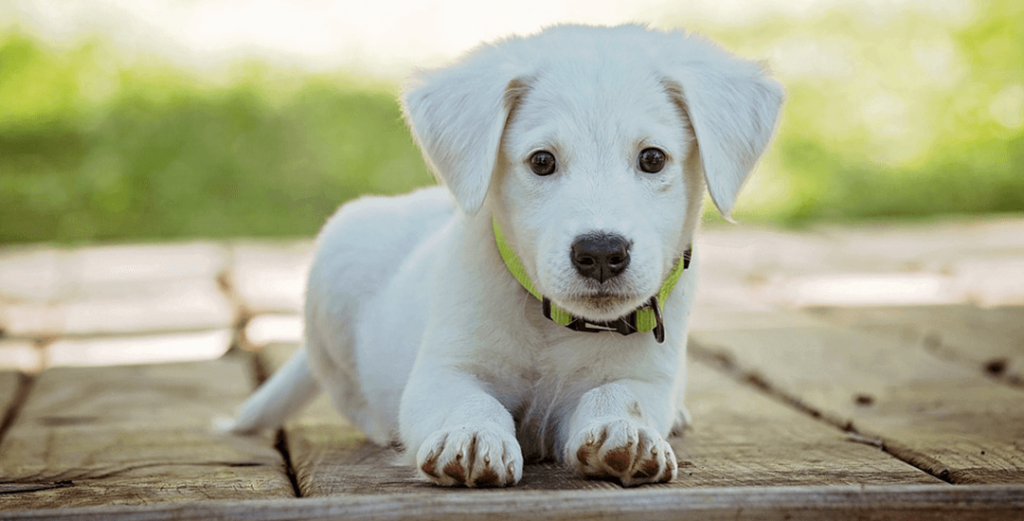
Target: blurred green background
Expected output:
[908,115]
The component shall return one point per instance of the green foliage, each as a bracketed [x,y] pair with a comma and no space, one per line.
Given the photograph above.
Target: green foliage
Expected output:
[909,114]
[89,151]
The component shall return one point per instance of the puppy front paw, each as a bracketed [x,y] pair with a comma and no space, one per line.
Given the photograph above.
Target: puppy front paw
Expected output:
[473,456]
[624,451]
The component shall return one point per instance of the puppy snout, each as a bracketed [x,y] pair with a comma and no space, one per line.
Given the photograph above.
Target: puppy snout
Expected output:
[600,256]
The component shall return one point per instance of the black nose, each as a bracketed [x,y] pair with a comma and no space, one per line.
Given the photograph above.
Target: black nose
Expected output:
[600,256]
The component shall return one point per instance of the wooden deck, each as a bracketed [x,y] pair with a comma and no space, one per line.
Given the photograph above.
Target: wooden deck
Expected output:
[836,373]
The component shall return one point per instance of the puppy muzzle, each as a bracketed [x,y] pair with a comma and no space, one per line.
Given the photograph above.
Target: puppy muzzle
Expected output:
[647,318]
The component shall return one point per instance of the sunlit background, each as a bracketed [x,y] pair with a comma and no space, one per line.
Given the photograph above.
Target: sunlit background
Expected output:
[125,120]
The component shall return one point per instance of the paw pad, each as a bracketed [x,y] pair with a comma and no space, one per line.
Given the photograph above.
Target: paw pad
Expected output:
[619,459]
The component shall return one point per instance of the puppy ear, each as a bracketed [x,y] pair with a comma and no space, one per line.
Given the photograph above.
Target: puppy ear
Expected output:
[732,105]
[457,115]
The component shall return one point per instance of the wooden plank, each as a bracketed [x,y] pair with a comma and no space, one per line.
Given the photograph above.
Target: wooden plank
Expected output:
[704,319]
[989,339]
[329,455]
[43,273]
[134,435]
[9,383]
[934,245]
[182,346]
[939,416]
[270,276]
[11,394]
[742,439]
[160,306]
[840,503]
[20,355]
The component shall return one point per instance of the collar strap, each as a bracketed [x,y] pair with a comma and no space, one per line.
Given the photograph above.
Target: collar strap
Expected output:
[645,318]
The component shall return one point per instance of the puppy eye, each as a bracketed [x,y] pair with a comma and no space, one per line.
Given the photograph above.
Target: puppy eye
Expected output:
[542,162]
[651,160]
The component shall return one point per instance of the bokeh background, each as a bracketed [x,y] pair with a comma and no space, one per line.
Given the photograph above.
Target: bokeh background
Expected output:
[123,120]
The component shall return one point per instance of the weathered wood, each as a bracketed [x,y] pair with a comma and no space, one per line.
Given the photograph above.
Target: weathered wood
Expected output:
[329,455]
[21,355]
[840,503]
[139,349]
[135,434]
[937,244]
[988,339]
[8,389]
[263,330]
[741,438]
[10,385]
[44,273]
[160,306]
[270,276]
[940,416]
[703,319]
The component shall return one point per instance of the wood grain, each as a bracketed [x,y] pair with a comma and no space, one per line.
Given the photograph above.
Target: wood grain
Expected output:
[134,435]
[988,339]
[940,416]
[839,503]
[742,438]
[10,383]
[329,455]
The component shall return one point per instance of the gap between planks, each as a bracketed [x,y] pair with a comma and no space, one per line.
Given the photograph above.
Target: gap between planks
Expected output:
[135,434]
[22,387]
[282,447]
[726,366]
[742,438]
[260,373]
[939,416]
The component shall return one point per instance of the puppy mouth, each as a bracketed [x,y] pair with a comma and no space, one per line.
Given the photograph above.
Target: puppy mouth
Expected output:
[604,299]
[603,304]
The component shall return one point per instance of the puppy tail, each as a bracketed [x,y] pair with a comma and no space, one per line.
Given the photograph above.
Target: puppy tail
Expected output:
[287,391]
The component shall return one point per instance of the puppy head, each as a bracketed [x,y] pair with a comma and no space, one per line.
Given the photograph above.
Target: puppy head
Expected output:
[592,148]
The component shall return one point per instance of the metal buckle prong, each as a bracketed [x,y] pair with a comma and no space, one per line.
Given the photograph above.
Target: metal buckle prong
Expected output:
[659,328]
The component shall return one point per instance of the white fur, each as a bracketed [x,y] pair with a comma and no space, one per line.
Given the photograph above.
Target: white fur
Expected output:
[418,331]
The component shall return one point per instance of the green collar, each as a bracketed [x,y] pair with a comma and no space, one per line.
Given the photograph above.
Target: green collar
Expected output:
[644,319]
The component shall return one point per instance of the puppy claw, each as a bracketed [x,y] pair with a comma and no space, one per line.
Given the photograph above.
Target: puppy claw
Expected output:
[627,453]
[473,456]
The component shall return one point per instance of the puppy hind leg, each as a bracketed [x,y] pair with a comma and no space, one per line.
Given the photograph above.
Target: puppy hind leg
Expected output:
[288,390]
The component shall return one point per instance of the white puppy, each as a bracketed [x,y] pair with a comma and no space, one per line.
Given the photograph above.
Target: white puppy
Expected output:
[584,153]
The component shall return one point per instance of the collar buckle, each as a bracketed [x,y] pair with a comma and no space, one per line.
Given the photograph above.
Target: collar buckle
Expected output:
[659,328]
